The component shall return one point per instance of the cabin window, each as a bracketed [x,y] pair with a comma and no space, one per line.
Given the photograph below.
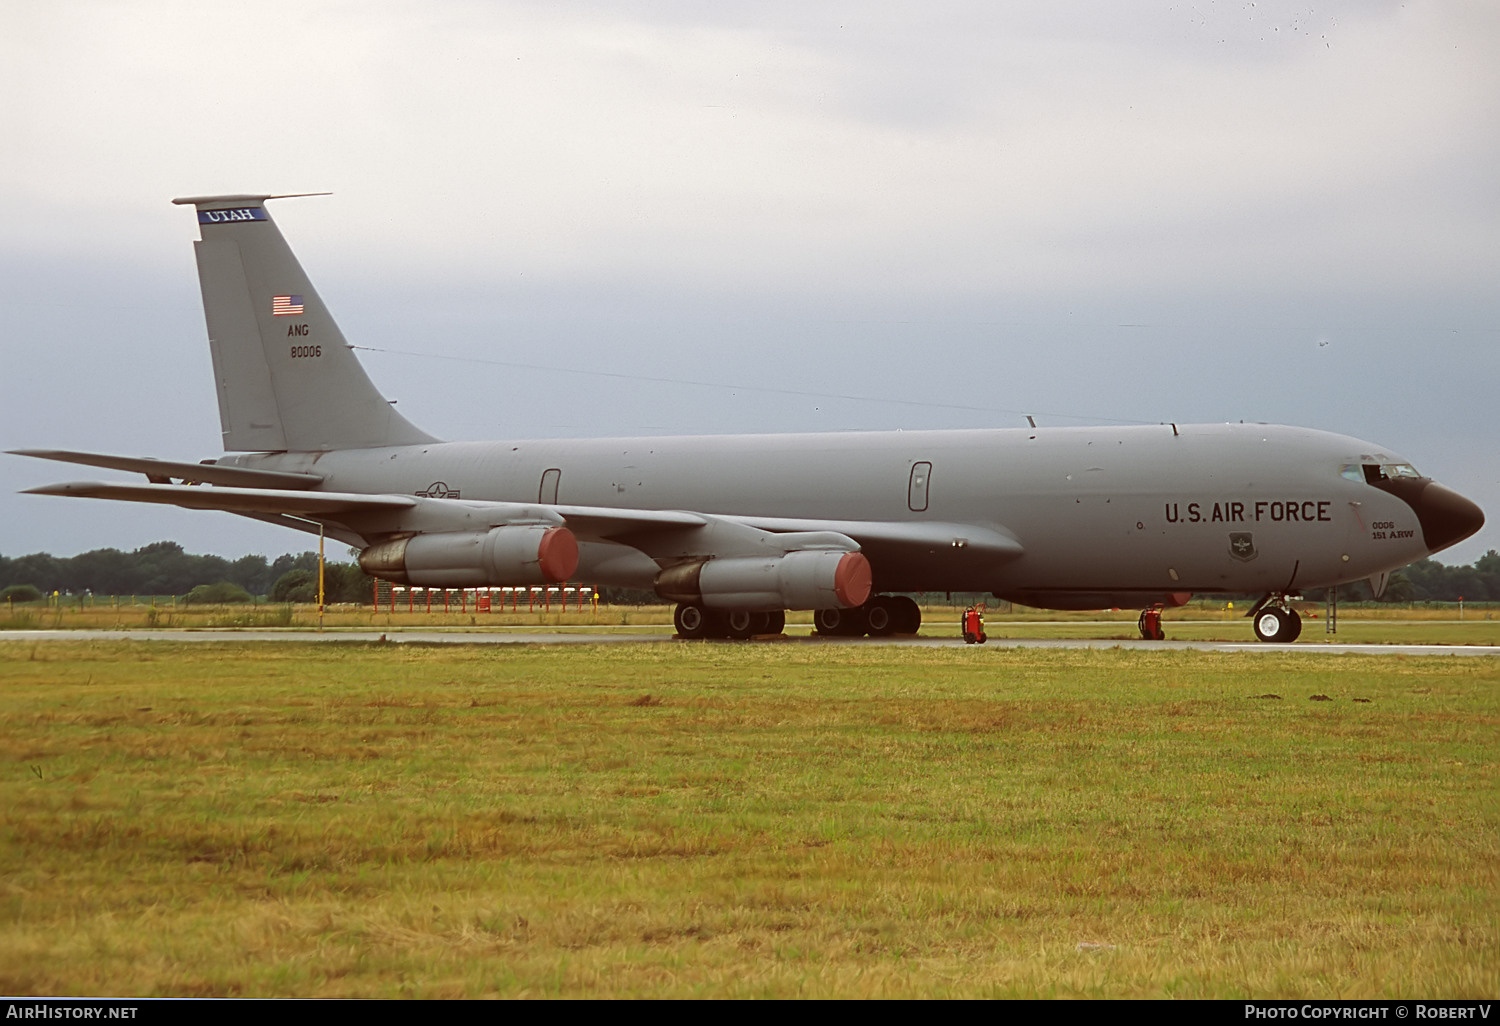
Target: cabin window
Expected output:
[916,487]
[547,493]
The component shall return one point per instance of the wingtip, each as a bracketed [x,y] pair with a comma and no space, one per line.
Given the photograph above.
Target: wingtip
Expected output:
[64,488]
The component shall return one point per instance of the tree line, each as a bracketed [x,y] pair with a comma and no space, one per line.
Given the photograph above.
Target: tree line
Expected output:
[163,568]
[1431,581]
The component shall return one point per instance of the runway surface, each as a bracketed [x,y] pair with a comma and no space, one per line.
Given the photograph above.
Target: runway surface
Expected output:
[512,636]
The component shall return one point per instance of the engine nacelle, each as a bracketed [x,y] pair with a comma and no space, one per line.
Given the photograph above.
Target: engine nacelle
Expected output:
[509,555]
[804,579]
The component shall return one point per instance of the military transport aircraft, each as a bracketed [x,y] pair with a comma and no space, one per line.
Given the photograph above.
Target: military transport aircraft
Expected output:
[737,529]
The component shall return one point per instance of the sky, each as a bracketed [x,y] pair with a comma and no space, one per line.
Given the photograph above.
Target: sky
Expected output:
[669,217]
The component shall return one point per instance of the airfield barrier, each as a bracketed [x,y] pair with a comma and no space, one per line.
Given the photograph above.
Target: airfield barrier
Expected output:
[415,599]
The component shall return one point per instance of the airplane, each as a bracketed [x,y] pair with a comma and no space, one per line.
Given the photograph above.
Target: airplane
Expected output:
[738,529]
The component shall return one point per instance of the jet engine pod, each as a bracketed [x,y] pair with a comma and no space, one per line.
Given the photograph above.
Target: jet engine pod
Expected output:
[508,555]
[803,579]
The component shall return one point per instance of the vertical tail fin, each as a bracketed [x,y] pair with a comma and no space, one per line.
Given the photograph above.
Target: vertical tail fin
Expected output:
[286,378]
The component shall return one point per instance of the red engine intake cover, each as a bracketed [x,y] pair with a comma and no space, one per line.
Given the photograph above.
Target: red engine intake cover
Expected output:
[557,555]
[852,580]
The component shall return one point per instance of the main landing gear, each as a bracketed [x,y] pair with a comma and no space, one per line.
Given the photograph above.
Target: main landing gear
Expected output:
[880,617]
[1275,620]
[694,621]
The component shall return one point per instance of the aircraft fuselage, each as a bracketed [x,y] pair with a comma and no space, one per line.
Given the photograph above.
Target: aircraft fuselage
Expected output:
[1184,508]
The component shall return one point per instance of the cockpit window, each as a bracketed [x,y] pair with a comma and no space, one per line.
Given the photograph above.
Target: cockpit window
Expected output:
[1374,473]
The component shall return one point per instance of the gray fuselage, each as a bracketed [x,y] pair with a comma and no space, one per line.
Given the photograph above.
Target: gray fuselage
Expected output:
[1096,511]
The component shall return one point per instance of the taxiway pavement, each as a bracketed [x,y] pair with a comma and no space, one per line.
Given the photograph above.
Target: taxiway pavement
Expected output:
[505,636]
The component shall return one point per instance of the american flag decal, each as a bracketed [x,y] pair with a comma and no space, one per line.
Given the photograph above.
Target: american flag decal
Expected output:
[284,306]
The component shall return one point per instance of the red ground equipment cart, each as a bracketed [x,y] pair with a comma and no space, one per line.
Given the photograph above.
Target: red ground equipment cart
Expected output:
[974,625]
[1150,624]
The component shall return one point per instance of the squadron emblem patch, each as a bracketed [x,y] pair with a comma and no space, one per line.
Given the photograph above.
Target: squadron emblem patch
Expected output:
[1242,546]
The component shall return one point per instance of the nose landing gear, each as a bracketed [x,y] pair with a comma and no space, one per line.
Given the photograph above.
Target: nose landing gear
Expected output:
[1279,625]
[1275,620]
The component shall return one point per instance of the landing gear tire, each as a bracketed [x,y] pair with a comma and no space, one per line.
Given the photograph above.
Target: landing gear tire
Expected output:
[839,623]
[1295,630]
[883,615]
[740,625]
[692,621]
[736,624]
[1279,625]
[880,616]
[905,614]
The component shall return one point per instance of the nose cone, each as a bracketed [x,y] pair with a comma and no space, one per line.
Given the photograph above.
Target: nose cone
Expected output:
[1446,516]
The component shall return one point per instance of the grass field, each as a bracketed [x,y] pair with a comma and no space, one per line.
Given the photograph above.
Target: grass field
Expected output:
[742,820]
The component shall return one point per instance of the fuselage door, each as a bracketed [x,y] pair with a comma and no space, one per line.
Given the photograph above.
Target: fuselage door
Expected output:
[916,487]
[547,493]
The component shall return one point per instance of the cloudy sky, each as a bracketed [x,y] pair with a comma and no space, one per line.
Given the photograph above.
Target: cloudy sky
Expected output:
[636,217]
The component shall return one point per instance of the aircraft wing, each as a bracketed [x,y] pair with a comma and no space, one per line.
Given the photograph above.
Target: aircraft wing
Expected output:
[234,500]
[437,514]
[666,537]
[162,471]
[911,537]
[907,536]
[611,522]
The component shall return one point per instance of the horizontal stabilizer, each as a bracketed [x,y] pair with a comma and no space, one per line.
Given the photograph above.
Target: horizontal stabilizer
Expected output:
[234,500]
[195,473]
